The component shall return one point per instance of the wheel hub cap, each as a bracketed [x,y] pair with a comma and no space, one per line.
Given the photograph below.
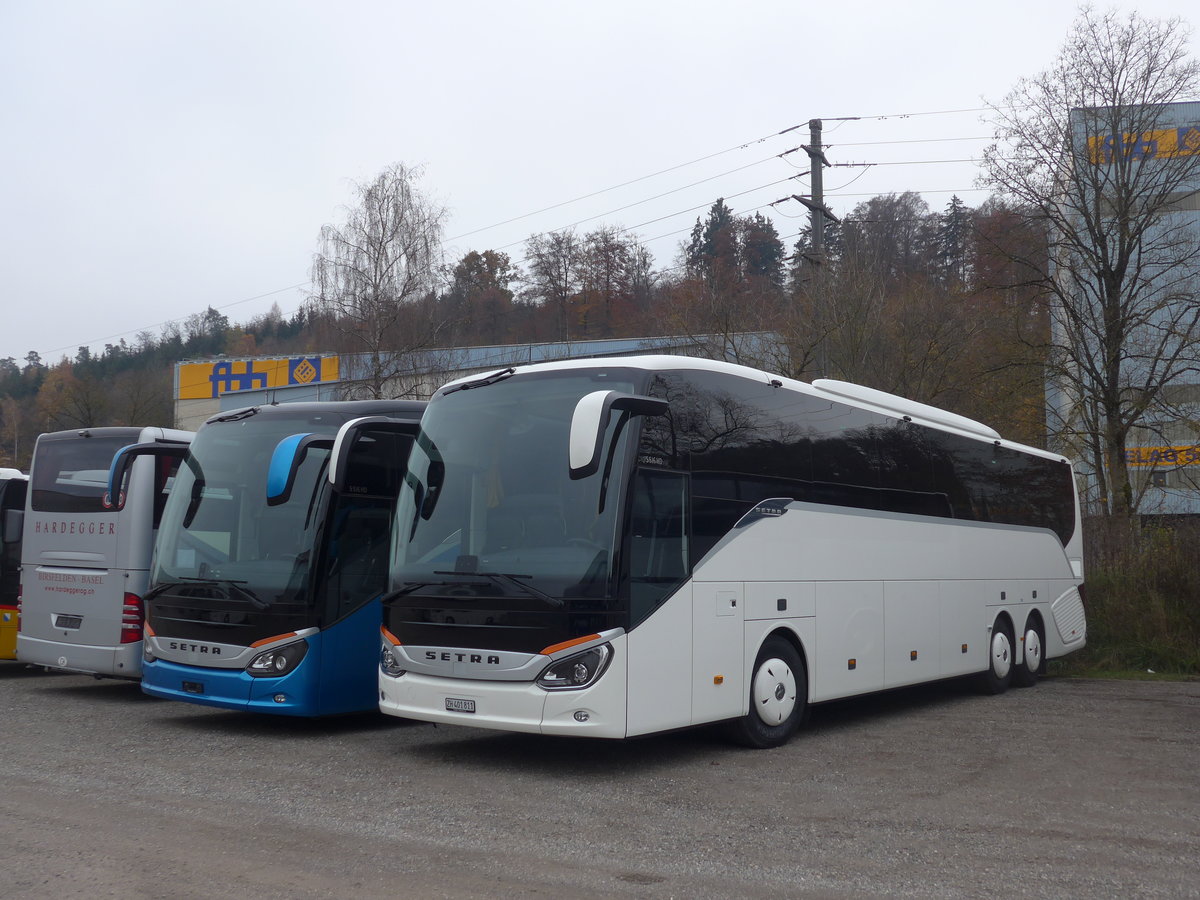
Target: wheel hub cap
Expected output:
[1001,654]
[774,693]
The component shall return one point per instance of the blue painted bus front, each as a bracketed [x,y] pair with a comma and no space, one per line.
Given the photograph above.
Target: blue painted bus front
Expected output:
[337,675]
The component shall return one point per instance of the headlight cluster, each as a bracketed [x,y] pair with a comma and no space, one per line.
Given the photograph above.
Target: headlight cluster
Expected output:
[279,661]
[388,663]
[576,671]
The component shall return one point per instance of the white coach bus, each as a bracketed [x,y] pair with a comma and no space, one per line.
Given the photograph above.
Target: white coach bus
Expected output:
[618,547]
[84,563]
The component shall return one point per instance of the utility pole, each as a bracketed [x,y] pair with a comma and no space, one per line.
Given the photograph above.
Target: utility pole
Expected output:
[818,211]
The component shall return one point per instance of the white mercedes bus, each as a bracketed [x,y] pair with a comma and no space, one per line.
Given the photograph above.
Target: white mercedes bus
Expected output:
[619,547]
[84,563]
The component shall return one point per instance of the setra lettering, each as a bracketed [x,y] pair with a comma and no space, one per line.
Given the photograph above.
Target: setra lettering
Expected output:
[458,656]
[194,648]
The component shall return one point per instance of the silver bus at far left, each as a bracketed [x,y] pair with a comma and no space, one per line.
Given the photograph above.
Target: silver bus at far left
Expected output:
[85,563]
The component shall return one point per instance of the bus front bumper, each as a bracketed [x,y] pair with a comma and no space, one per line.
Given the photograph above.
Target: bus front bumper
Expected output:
[597,711]
[289,695]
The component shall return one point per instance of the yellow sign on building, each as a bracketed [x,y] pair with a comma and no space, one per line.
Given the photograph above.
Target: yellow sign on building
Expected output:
[1159,144]
[207,380]
[1163,456]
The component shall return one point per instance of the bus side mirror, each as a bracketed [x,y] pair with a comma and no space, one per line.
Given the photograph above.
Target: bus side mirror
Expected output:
[12,526]
[286,459]
[590,420]
[122,461]
[350,432]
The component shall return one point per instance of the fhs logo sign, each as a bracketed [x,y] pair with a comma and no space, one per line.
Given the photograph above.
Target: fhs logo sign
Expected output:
[207,381]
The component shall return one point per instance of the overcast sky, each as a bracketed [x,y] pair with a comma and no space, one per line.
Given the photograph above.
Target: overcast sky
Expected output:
[157,157]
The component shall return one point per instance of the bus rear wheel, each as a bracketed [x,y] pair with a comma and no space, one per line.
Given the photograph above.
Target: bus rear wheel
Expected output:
[778,697]
[999,673]
[1026,673]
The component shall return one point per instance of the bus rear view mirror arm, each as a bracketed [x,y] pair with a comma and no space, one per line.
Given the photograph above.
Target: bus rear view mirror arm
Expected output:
[122,461]
[286,458]
[590,420]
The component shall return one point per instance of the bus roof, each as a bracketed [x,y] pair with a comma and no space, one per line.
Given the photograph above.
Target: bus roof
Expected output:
[825,388]
[349,408]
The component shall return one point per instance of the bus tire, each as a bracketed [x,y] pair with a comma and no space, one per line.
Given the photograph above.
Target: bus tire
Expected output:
[778,697]
[998,675]
[1026,673]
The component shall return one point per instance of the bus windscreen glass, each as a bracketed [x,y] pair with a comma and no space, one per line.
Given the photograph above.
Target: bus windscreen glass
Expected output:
[72,476]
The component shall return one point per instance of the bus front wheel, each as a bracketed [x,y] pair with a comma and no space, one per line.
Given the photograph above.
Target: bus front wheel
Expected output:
[778,697]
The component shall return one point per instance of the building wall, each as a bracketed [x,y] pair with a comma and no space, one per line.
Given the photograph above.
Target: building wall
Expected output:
[1164,455]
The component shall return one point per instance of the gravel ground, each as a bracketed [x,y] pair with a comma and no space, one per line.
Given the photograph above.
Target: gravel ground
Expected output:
[1073,788]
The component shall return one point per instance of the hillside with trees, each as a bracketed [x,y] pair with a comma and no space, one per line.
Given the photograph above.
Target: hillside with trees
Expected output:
[909,300]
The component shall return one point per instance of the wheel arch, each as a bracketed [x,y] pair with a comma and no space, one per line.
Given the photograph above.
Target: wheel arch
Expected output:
[1004,617]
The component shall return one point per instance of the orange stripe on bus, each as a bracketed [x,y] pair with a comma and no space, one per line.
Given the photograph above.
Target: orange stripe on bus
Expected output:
[391,637]
[150,632]
[554,648]
[278,637]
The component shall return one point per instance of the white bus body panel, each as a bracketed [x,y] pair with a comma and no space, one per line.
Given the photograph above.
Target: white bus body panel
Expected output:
[931,586]
[921,605]
[660,660]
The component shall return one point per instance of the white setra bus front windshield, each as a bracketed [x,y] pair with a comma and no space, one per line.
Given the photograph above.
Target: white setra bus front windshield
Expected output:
[489,491]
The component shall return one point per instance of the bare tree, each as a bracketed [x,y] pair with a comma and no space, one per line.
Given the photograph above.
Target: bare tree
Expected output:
[374,281]
[1093,149]
[553,281]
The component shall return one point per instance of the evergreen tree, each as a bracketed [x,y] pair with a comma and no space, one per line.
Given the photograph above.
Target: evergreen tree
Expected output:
[952,243]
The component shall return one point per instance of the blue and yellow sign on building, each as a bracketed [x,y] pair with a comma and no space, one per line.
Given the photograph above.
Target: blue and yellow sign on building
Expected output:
[1162,143]
[208,380]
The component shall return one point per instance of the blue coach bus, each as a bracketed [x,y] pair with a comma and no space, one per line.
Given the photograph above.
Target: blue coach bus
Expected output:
[265,585]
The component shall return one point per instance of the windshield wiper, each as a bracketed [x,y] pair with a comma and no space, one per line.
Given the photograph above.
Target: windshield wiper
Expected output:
[410,586]
[235,586]
[237,416]
[484,381]
[505,578]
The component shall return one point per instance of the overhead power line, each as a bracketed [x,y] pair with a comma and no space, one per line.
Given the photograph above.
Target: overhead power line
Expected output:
[741,146]
[693,162]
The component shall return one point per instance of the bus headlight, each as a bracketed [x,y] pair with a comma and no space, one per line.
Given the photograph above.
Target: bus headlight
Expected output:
[278,661]
[576,671]
[388,663]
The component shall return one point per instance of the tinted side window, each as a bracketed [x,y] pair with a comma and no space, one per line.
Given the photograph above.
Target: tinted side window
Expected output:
[165,469]
[658,551]
[746,441]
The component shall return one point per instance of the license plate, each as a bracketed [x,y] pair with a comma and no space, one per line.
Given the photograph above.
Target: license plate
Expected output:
[455,705]
[193,687]
[68,621]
